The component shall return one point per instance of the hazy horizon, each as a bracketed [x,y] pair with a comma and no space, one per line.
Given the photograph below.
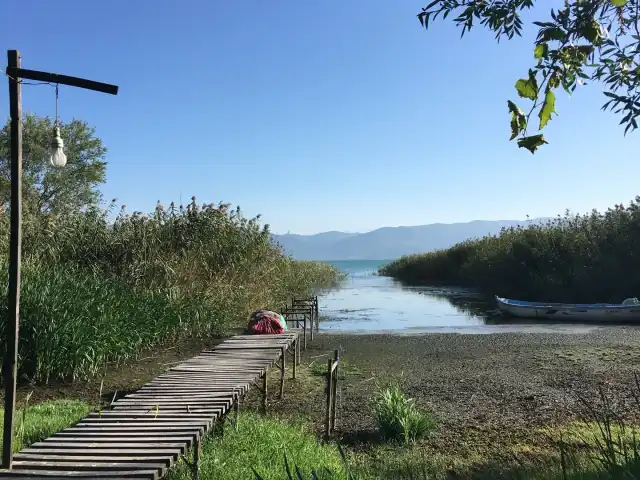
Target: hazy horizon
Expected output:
[409,226]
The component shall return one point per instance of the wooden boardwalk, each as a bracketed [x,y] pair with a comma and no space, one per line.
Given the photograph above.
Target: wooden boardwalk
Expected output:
[145,432]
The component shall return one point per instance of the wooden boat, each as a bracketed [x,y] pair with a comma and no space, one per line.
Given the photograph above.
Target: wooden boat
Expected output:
[628,311]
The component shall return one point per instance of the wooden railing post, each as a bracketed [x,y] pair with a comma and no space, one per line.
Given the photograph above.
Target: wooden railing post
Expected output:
[332,394]
[264,390]
[327,417]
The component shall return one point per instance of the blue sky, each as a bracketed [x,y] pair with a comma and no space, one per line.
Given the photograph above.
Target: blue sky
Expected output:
[327,115]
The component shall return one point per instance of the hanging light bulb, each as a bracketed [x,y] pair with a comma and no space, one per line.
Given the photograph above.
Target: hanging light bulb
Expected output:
[57,157]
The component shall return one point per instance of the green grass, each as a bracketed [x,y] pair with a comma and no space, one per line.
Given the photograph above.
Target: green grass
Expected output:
[575,258]
[37,422]
[260,444]
[399,418]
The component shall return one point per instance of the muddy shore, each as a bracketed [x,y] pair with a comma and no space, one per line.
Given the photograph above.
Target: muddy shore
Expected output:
[486,391]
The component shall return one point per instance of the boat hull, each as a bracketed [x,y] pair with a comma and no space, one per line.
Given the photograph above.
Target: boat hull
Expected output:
[603,312]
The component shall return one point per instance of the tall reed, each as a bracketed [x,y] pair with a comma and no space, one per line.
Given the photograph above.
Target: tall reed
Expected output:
[97,291]
[573,258]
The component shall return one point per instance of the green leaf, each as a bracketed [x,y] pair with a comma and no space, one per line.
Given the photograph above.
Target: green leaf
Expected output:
[592,32]
[527,88]
[518,120]
[618,3]
[532,143]
[548,108]
[554,33]
[541,51]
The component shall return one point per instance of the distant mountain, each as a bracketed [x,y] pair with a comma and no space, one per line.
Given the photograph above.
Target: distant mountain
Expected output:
[389,242]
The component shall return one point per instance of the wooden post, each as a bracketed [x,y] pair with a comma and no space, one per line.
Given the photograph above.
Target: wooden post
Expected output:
[295,356]
[304,335]
[13,296]
[236,412]
[196,458]
[282,367]
[327,417]
[264,390]
[334,393]
[15,74]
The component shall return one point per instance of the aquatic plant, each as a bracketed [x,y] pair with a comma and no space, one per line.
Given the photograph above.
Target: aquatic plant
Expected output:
[573,258]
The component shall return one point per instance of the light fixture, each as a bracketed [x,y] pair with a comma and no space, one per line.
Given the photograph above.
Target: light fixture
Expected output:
[57,158]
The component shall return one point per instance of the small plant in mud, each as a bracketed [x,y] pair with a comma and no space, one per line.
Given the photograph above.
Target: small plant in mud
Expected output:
[398,417]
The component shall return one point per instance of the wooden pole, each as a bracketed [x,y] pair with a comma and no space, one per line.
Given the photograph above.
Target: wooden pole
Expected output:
[13,296]
[295,356]
[304,335]
[283,363]
[327,417]
[196,458]
[265,386]
[15,74]
[334,393]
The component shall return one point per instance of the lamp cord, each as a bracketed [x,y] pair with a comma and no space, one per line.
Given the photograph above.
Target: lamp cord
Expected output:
[56,122]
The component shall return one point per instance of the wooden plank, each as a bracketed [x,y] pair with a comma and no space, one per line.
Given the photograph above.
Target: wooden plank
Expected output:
[102,451]
[185,390]
[181,410]
[60,474]
[159,402]
[228,374]
[167,394]
[119,431]
[109,422]
[198,379]
[166,461]
[152,413]
[153,445]
[89,464]
[177,382]
[127,408]
[124,438]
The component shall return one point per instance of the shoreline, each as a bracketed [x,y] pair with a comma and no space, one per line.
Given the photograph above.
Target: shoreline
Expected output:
[526,329]
[488,392]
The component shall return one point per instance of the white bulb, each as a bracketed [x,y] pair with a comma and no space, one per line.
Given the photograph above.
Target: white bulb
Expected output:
[57,157]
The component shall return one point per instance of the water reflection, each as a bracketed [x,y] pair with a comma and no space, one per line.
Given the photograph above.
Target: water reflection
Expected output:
[367,302]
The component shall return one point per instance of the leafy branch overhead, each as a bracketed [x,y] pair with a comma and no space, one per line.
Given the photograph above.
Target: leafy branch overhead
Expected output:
[584,41]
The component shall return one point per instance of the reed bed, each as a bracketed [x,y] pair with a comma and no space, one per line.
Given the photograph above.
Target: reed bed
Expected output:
[574,258]
[98,291]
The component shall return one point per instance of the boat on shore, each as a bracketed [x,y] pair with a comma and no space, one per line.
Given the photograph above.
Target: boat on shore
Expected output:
[627,311]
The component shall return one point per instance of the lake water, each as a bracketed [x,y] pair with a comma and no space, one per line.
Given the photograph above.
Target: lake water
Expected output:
[371,303]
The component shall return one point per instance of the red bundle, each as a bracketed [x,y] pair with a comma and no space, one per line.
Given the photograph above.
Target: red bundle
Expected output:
[265,322]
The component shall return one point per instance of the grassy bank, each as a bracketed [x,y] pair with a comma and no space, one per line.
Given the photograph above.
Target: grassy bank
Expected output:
[96,293]
[575,258]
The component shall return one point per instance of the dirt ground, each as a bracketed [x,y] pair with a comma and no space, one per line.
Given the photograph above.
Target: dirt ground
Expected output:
[486,391]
